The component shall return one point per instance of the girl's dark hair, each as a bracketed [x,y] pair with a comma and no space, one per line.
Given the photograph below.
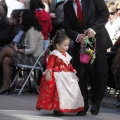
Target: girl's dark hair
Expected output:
[29,20]
[59,38]
[35,4]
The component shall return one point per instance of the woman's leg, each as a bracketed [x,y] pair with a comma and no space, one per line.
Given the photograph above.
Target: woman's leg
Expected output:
[7,62]
[6,57]
[6,52]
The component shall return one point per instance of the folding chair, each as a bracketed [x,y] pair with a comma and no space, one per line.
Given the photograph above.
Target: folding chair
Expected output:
[36,66]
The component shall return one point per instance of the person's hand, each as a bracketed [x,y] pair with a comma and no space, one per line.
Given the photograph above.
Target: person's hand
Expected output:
[81,38]
[90,33]
[76,78]
[48,76]
[52,15]
[14,46]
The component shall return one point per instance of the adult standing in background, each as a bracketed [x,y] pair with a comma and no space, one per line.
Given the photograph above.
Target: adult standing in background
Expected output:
[91,23]
[43,18]
[113,23]
[112,27]
[57,15]
[118,7]
[47,5]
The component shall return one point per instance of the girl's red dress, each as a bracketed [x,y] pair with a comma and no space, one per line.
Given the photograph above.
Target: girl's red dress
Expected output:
[48,95]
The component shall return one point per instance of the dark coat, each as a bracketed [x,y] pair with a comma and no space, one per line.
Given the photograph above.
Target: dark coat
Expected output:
[57,9]
[6,31]
[95,15]
[115,67]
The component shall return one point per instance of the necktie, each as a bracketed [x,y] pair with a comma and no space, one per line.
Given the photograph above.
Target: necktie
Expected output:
[79,11]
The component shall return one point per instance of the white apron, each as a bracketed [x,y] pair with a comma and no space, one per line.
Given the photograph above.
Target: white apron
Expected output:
[67,85]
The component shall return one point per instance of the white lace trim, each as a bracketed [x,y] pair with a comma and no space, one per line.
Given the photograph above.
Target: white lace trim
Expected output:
[66,59]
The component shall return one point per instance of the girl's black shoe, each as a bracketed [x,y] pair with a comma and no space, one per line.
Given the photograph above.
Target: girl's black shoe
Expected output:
[81,113]
[58,113]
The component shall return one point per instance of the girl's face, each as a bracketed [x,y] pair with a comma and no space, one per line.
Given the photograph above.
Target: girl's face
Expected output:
[63,47]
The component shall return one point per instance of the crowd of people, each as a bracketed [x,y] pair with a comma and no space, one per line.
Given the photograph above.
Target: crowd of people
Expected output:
[91,27]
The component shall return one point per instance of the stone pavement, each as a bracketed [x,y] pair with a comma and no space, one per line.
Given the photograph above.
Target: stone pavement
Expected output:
[14,107]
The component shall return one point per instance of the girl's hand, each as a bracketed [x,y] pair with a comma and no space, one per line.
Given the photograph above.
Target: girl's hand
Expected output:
[48,76]
[77,78]
[74,71]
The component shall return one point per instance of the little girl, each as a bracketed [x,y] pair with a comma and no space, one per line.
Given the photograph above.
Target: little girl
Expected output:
[59,89]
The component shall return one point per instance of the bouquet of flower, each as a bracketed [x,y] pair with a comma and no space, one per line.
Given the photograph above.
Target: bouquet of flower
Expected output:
[87,54]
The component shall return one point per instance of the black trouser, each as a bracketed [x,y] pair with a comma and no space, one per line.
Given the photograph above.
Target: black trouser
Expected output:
[97,73]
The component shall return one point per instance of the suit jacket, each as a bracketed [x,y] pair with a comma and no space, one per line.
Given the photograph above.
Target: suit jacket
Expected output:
[56,7]
[95,15]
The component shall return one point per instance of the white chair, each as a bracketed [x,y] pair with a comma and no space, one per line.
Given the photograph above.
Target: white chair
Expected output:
[36,66]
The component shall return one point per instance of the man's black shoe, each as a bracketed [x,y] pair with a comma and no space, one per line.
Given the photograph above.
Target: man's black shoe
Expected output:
[81,113]
[95,109]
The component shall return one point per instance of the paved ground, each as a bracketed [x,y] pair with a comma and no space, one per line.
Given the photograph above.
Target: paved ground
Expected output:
[14,107]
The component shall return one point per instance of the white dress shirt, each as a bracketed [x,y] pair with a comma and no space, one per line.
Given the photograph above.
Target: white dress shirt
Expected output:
[111,28]
[75,8]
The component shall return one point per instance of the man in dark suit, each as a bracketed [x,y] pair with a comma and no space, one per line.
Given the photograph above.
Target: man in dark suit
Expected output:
[94,16]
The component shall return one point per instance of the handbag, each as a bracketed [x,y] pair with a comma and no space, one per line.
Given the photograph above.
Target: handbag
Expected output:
[87,54]
[85,58]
